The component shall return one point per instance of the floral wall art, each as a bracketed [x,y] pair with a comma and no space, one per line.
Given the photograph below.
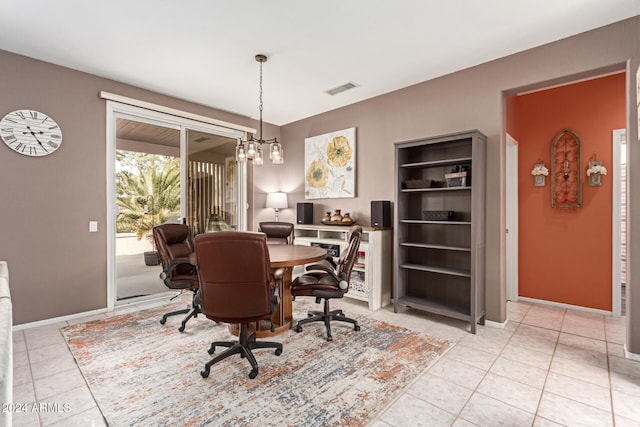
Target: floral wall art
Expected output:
[330,165]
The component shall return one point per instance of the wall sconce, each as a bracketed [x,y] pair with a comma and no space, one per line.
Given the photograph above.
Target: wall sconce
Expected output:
[595,172]
[277,201]
[539,171]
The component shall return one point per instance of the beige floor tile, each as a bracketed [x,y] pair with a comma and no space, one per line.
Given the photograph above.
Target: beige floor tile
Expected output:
[625,422]
[545,317]
[578,390]
[91,417]
[87,319]
[53,366]
[511,392]
[626,405]
[528,356]
[44,354]
[458,373]
[26,419]
[440,393]
[485,411]
[580,370]
[409,411]
[472,356]
[625,366]
[569,412]
[67,404]
[584,343]
[485,343]
[21,375]
[462,423]
[627,384]
[590,331]
[58,383]
[535,339]
[519,372]
[614,349]
[581,355]
[24,393]
[543,422]
[44,339]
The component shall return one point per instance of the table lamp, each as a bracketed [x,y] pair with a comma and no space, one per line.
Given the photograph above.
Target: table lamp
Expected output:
[277,201]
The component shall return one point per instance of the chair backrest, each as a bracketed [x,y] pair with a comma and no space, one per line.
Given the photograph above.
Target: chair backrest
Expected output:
[277,232]
[173,243]
[235,276]
[350,254]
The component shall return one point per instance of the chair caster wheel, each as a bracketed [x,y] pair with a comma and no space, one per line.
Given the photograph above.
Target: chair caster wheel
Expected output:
[278,352]
[211,350]
[329,338]
[298,328]
[204,374]
[181,329]
[309,314]
[253,373]
[163,321]
[356,328]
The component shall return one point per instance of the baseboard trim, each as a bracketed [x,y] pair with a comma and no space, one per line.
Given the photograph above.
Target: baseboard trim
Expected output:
[54,320]
[629,355]
[567,306]
[496,325]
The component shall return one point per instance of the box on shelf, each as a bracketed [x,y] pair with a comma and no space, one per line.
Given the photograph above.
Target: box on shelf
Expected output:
[437,215]
[456,179]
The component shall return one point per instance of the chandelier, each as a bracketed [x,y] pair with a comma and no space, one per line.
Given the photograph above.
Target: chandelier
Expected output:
[251,149]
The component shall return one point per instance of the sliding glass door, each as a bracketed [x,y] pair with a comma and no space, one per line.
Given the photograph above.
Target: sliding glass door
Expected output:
[213,185]
[164,168]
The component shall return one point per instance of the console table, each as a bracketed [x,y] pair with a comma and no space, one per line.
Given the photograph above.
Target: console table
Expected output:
[371,275]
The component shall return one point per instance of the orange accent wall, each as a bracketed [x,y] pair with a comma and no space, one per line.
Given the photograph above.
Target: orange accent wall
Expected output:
[565,254]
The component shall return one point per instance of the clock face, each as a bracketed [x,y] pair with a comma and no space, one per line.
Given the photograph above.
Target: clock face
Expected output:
[30,132]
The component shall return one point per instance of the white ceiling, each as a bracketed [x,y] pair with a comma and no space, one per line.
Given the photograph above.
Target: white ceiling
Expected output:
[203,50]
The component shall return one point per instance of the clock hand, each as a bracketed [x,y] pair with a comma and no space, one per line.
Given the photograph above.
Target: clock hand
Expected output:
[36,138]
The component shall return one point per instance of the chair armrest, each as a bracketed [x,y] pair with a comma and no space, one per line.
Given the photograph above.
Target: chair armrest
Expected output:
[166,272]
[340,280]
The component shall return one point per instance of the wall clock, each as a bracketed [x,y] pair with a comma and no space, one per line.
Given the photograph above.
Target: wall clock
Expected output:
[566,171]
[30,132]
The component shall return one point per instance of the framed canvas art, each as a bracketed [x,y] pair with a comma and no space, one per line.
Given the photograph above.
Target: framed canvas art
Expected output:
[330,165]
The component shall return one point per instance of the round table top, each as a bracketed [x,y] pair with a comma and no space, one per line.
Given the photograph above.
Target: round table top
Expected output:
[290,255]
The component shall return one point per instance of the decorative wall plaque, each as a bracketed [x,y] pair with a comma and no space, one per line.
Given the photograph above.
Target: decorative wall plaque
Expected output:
[566,171]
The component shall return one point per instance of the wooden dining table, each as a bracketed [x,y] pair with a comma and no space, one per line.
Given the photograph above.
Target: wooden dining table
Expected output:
[287,257]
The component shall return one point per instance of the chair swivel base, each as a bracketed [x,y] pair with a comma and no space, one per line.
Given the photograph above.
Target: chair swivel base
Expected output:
[327,316]
[243,346]
[190,312]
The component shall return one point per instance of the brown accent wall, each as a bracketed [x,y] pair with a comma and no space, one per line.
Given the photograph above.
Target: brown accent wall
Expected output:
[573,244]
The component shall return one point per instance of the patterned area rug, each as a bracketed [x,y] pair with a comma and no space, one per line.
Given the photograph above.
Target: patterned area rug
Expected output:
[143,373]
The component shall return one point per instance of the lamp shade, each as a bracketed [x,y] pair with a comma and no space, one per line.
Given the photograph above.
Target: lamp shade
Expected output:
[277,200]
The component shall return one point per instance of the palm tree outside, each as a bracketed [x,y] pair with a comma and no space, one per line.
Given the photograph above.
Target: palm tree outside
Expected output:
[147,191]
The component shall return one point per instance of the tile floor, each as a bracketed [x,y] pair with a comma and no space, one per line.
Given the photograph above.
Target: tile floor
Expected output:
[549,366]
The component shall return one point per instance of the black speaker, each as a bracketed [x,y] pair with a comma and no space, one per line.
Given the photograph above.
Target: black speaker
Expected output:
[305,213]
[380,213]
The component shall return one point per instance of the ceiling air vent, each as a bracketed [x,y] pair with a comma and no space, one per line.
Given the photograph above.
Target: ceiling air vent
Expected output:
[342,88]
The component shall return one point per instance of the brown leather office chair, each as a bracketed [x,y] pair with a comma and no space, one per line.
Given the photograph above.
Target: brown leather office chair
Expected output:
[174,245]
[277,232]
[237,286]
[327,281]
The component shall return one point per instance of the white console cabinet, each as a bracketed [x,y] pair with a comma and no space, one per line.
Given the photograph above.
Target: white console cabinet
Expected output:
[371,275]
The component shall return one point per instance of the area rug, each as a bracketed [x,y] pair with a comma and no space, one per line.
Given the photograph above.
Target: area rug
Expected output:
[144,373]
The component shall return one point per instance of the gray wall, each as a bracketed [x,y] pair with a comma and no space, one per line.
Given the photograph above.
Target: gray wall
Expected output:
[59,268]
[469,99]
